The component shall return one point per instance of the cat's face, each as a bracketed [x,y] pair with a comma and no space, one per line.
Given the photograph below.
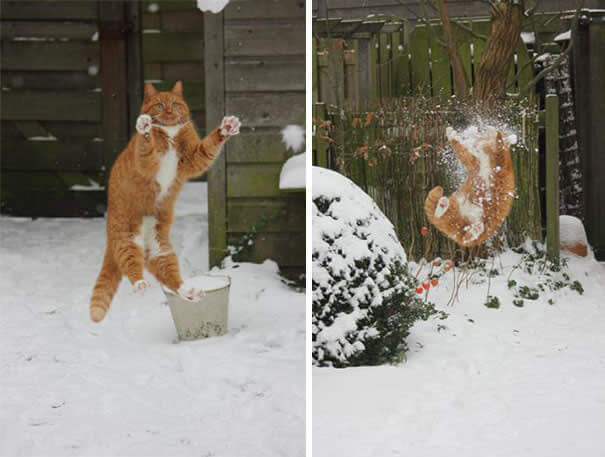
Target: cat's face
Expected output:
[166,108]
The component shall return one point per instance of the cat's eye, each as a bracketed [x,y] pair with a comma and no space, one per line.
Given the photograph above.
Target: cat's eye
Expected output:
[159,106]
[175,105]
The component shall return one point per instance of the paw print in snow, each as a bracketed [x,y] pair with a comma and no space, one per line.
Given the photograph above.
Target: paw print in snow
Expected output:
[144,124]
[230,126]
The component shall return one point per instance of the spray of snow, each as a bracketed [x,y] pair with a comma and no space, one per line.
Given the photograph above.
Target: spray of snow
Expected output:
[292,174]
[293,137]
[213,6]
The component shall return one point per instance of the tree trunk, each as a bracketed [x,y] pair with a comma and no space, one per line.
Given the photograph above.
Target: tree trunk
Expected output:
[497,56]
[460,81]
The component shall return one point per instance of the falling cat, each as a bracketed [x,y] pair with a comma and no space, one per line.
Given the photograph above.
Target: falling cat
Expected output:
[144,183]
[476,209]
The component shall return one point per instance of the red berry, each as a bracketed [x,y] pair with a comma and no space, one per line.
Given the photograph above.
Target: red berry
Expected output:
[424,231]
[419,290]
[434,282]
[426,285]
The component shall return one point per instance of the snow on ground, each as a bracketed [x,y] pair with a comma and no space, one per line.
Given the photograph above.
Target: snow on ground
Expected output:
[494,382]
[127,386]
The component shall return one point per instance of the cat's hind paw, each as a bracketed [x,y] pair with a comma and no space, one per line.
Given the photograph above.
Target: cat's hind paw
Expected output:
[442,206]
[190,294]
[140,286]
[230,126]
[143,124]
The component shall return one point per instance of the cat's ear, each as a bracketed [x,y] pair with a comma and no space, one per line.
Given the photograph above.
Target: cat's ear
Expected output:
[178,89]
[150,91]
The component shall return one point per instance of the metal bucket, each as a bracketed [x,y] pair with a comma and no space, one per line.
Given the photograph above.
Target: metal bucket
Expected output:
[206,318]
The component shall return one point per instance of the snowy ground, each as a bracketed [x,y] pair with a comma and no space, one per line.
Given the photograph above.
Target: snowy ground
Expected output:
[495,382]
[126,387]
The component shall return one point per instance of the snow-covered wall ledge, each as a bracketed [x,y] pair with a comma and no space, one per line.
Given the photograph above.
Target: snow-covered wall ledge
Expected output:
[292,176]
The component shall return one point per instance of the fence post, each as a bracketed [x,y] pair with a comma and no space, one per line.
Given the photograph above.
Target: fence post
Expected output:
[552,177]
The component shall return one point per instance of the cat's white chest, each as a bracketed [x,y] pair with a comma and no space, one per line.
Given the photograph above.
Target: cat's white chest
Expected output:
[169,163]
[167,171]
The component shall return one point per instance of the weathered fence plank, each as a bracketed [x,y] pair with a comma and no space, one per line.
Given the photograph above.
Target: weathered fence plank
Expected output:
[48,105]
[55,56]
[253,180]
[215,109]
[265,39]
[552,177]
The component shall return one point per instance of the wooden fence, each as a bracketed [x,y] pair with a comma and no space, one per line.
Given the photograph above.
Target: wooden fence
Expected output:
[69,100]
[372,66]
[173,49]
[256,69]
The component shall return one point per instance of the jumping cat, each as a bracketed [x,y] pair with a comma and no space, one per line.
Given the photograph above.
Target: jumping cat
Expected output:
[476,209]
[144,183]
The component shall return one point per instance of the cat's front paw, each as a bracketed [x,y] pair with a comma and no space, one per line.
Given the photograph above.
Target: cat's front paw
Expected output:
[144,124]
[230,126]
[190,293]
[140,286]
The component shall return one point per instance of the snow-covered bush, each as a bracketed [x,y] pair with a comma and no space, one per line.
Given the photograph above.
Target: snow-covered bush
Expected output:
[364,300]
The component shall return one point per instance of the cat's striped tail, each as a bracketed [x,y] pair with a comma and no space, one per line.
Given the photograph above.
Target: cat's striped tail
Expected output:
[105,288]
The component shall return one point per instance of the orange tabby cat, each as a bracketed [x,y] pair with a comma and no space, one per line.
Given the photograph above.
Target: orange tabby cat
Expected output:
[144,183]
[476,209]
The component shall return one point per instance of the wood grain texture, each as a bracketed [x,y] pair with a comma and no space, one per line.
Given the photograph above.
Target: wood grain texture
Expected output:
[253,180]
[50,80]
[55,56]
[552,177]
[49,10]
[263,39]
[51,105]
[22,155]
[287,214]
[267,109]
[264,75]
[215,103]
[285,248]
[55,30]
[256,148]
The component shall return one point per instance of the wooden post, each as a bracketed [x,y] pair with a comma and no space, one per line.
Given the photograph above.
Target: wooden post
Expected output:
[552,177]
[135,63]
[214,66]
[589,92]
[113,71]
[364,70]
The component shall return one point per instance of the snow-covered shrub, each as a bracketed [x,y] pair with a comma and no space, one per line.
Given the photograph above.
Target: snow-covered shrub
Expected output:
[364,300]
